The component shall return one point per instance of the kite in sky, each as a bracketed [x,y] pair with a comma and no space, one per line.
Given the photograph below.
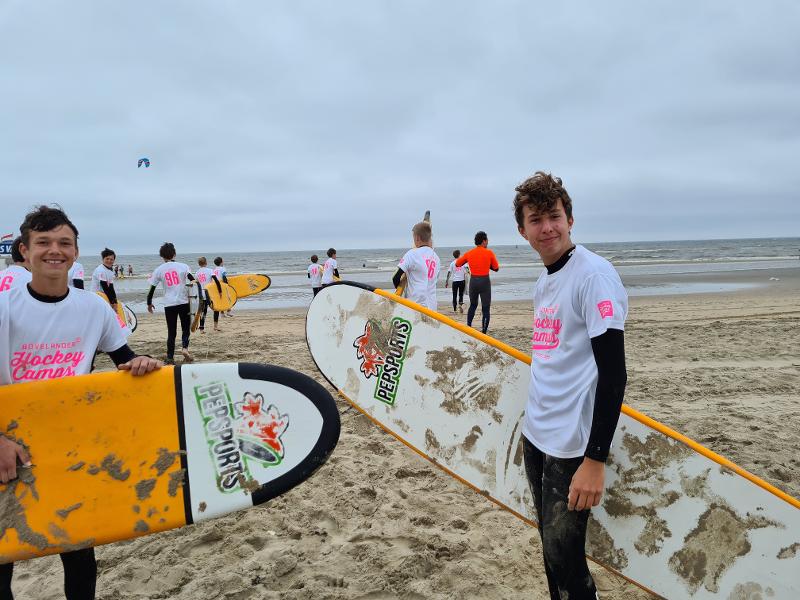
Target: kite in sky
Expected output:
[145,162]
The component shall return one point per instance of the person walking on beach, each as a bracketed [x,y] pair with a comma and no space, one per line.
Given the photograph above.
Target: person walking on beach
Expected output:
[204,276]
[330,269]
[577,383]
[103,277]
[76,275]
[421,266]
[459,281]
[17,274]
[173,276]
[47,308]
[315,274]
[480,260]
[221,273]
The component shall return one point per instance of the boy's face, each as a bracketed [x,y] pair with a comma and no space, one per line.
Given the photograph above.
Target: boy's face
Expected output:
[547,232]
[108,261]
[51,254]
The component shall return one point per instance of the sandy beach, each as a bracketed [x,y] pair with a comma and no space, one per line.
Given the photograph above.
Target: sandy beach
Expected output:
[377,522]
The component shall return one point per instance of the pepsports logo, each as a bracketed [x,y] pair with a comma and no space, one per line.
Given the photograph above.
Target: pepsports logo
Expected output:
[382,356]
[238,432]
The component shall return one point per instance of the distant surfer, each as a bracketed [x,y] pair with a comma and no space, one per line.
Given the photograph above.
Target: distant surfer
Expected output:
[103,277]
[315,274]
[481,260]
[459,281]
[76,275]
[577,384]
[221,273]
[47,308]
[16,274]
[173,276]
[421,266]
[204,276]
[330,269]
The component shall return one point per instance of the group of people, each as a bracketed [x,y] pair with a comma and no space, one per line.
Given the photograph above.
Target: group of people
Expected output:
[325,274]
[578,373]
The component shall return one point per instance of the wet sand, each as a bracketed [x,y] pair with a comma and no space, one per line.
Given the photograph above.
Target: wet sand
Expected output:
[378,522]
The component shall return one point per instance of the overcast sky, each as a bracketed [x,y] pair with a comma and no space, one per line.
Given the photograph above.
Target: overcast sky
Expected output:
[303,125]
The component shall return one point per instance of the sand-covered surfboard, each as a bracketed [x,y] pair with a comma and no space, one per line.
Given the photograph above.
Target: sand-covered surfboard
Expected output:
[676,519]
[249,284]
[117,456]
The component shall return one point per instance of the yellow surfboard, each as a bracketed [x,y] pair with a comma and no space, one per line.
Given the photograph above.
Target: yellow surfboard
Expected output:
[249,284]
[221,295]
[122,318]
[116,456]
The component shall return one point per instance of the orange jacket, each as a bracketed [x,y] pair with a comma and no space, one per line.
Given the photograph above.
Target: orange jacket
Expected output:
[480,260]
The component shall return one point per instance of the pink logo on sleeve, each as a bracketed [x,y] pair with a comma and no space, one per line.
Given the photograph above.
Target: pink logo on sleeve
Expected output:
[606,309]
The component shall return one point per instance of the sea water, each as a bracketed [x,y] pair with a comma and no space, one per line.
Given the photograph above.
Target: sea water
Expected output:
[520,267]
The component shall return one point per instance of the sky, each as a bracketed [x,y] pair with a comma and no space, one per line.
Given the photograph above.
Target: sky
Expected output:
[303,125]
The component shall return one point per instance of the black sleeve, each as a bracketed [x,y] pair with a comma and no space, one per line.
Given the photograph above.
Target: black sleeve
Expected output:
[397,276]
[609,354]
[336,272]
[190,277]
[309,275]
[150,295]
[77,283]
[108,290]
[122,355]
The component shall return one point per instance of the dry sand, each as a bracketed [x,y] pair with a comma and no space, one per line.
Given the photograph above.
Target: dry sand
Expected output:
[378,522]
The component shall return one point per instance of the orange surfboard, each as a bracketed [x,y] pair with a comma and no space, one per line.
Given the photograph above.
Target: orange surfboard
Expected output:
[116,456]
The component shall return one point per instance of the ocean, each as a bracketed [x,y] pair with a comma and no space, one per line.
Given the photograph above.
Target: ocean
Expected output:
[519,267]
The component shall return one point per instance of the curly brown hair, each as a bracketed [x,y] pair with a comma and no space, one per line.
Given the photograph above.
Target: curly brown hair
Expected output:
[541,193]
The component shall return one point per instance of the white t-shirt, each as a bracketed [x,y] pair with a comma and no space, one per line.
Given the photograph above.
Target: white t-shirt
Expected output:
[101,273]
[13,277]
[458,273]
[75,272]
[172,275]
[50,340]
[204,275]
[220,272]
[315,273]
[580,301]
[327,271]
[421,266]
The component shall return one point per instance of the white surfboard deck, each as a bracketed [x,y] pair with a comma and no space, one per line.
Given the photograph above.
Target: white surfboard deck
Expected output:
[673,521]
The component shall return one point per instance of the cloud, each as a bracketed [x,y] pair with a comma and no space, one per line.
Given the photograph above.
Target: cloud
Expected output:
[314,124]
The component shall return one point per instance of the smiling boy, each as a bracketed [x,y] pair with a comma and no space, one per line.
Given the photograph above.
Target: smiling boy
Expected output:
[577,381]
[48,312]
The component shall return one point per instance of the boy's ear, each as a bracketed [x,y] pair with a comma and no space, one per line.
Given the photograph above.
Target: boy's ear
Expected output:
[522,232]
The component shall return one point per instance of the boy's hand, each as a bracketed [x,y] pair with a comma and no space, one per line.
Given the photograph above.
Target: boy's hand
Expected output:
[151,309]
[141,365]
[587,484]
[9,452]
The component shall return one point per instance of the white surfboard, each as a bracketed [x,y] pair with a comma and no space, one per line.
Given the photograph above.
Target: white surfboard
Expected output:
[676,519]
